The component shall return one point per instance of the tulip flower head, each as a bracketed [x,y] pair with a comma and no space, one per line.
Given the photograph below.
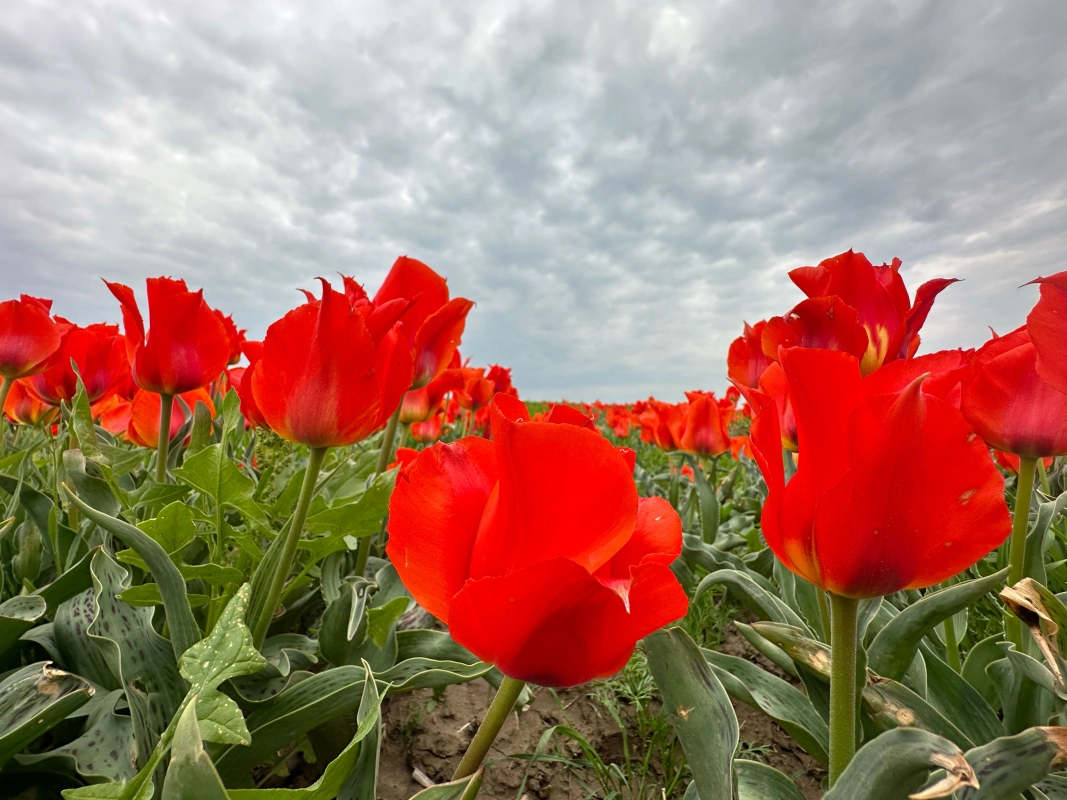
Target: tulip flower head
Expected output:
[28,336]
[746,360]
[893,491]
[143,426]
[331,374]
[535,549]
[24,407]
[700,426]
[1010,404]
[1047,325]
[100,353]
[185,347]
[433,325]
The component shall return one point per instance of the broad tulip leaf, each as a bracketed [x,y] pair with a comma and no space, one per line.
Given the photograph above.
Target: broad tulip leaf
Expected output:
[756,598]
[105,751]
[342,526]
[698,708]
[756,781]
[93,490]
[17,615]
[1008,766]
[1025,704]
[184,631]
[289,716]
[191,775]
[974,668]
[767,649]
[329,785]
[896,765]
[894,648]
[801,594]
[148,594]
[33,700]
[708,500]
[960,702]
[72,582]
[894,705]
[1045,616]
[1040,537]
[344,624]
[425,673]
[785,704]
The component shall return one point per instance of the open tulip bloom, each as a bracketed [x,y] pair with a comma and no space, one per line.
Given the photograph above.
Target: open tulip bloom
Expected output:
[893,491]
[28,339]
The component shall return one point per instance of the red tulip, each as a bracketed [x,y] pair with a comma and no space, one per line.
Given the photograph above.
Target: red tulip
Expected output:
[24,407]
[100,354]
[143,428]
[433,324]
[880,300]
[773,386]
[893,491]
[1008,402]
[699,426]
[827,323]
[330,376]
[1009,462]
[429,430]
[419,405]
[655,426]
[746,360]
[405,460]
[501,378]
[535,549]
[945,371]
[477,391]
[235,337]
[1047,324]
[186,346]
[28,336]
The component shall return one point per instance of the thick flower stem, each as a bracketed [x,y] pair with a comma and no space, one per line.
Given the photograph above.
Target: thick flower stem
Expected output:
[385,456]
[495,717]
[952,648]
[288,551]
[1042,474]
[5,388]
[842,684]
[166,403]
[1017,552]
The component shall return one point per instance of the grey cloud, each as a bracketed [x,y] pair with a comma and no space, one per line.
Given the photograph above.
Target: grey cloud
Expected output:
[617,184]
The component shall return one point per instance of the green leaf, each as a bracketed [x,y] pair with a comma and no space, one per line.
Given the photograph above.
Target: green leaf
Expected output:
[109,791]
[211,473]
[17,615]
[754,597]
[1024,703]
[896,764]
[707,499]
[173,528]
[426,673]
[93,490]
[381,620]
[200,435]
[1008,766]
[105,751]
[344,624]
[329,785]
[81,421]
[698,708]
[147,594]
[191,775]
[895,646]
[894,705]
[33,700]
[72,582]
[225,653]
[756,781]
[341,526]
[183,628]
[784,703]
[960,702]
[974,668]
[290,715]
[462,789]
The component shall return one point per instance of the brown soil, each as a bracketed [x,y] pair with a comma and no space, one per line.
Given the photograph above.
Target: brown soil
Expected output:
[430,735]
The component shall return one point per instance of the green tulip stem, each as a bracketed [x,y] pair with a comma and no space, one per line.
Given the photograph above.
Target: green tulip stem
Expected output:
[292,537]
[166,403]
[1042,474]
[385,457]
[1017,552]
[842,684]
[495,717]
[5,387]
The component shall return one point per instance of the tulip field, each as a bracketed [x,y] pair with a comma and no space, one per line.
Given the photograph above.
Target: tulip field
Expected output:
[344,562]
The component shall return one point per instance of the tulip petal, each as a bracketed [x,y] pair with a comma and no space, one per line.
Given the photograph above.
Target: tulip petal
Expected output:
[946,370]
[746,360]
[433,519]
[1047,324]
[438,338]
[906,339]
[921,502]
[413,280]
[564,491]
[553,624]
[657,539]
[28,337]
[393,368]
[819,322]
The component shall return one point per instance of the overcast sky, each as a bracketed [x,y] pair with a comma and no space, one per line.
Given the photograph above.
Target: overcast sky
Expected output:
[616,184]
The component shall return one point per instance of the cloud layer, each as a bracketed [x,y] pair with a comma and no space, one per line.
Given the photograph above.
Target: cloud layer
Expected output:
[616,184]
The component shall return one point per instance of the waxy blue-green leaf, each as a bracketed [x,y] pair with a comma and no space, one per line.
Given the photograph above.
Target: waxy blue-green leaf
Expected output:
[893,649]
[756,781]
[461,789]
[33,700]
[974,668]
[897,764]
[191,775]
[960,702]
[184,631]
[698,708]
[344,624]
[17,615]
[1025,704]
[1010,765]
[894,705]
[754,597]
[93,490]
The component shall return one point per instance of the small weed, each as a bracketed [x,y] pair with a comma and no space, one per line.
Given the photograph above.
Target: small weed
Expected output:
[708,617]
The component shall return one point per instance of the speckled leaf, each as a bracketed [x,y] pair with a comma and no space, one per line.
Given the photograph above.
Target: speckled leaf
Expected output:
[105,751]
[897,764]
[1008,766]
[698,708]
[33,700]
